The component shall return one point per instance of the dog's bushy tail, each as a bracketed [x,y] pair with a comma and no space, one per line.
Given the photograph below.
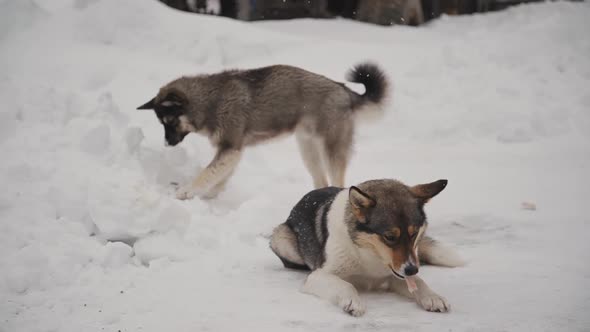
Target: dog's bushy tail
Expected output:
[433,252]
[376,89]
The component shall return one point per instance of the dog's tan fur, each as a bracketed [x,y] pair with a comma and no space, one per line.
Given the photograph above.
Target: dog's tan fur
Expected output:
[365,237]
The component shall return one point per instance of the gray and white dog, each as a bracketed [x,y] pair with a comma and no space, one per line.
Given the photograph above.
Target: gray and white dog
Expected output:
[238,108]
[370,236]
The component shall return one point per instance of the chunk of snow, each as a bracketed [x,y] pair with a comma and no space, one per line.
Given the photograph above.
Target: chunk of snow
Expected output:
[158,246]
[116,254]
[97,141]
[133,138]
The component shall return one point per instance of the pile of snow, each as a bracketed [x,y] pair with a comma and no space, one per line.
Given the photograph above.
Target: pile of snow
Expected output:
[93,239]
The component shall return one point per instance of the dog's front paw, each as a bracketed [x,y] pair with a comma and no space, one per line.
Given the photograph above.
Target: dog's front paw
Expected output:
[431,301]
[353,306]
[186,192]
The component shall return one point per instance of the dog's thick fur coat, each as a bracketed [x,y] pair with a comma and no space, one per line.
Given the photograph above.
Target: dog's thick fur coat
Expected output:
[370,236]
[238,108]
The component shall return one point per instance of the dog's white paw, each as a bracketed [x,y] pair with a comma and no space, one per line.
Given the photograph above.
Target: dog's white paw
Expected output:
[431,301]
[186,192]
[353,306]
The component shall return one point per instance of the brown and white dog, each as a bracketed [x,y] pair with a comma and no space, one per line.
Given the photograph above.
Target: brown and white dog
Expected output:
[369,236]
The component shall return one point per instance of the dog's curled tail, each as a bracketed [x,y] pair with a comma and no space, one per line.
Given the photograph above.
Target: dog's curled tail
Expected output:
[433,252]
[371,103]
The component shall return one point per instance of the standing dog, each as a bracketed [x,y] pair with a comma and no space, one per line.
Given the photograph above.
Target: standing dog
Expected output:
[238,108]
[370,236]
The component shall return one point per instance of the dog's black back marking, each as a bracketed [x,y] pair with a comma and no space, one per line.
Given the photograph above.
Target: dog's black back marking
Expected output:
[310,210]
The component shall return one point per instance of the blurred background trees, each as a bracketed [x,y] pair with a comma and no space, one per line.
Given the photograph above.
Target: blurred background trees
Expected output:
[383,12]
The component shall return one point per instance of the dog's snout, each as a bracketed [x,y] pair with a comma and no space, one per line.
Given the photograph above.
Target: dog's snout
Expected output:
[172,140]
[411,270]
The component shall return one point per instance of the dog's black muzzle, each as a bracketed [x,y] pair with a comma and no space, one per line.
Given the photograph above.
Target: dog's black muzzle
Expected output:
[173,138]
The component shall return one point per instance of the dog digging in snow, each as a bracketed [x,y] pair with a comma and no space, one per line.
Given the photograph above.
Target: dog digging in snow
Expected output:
[238,108]
[370,237]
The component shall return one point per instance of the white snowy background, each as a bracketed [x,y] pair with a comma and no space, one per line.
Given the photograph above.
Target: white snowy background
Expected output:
[92,238]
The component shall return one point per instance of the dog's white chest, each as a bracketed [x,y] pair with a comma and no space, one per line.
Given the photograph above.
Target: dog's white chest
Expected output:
[341,253]
[371,266]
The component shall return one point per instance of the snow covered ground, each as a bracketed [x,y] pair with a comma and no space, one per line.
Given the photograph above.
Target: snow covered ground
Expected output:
[92,238]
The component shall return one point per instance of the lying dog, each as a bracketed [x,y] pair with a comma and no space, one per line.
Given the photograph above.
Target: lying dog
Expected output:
[370,236]
[238,108]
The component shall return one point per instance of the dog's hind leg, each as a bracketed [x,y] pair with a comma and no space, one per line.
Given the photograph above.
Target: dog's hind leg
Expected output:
[338,147]
[283,243]
[337,170]
[433,252]
[330,287]
[312,157]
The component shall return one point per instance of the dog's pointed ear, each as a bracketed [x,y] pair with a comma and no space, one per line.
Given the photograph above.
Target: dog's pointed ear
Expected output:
[174,98]
[150,105]
[428,190]
[360,203]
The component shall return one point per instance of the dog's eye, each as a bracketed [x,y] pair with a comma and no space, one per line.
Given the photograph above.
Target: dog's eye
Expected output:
[390,238]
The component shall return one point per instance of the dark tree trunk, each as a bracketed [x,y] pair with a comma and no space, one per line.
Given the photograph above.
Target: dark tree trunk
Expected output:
[228,8]
[178,4]
[344,8]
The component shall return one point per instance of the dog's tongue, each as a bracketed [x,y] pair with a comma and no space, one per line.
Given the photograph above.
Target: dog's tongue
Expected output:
[411,282]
